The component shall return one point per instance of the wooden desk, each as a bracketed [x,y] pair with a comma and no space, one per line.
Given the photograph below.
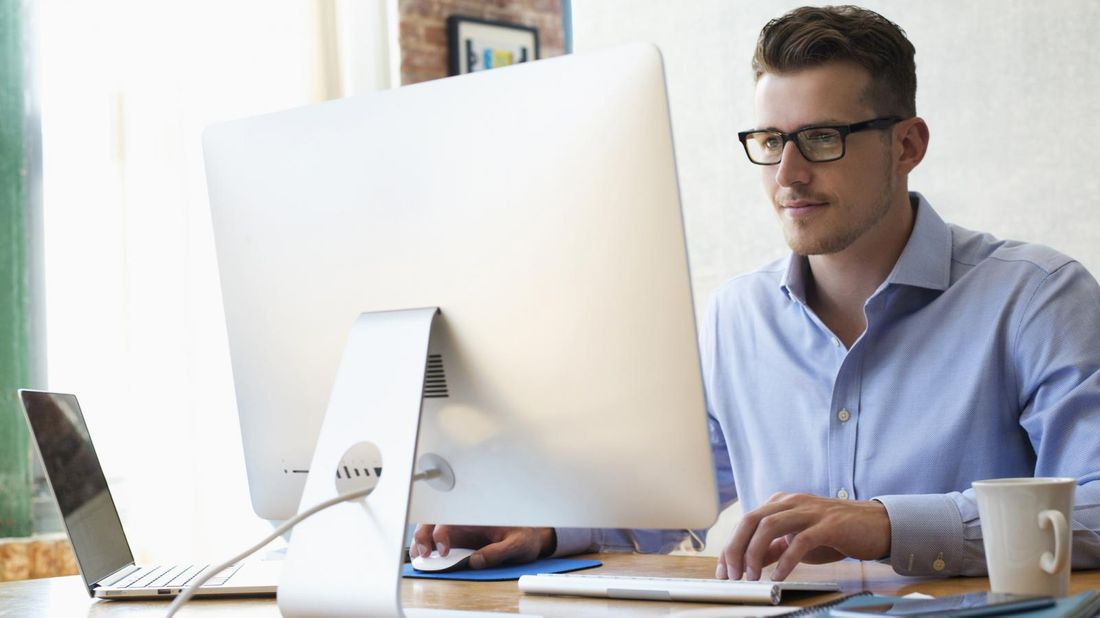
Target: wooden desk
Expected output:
[65,596]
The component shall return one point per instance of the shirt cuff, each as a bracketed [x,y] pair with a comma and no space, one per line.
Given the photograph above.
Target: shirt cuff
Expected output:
[573,541]
[926,534]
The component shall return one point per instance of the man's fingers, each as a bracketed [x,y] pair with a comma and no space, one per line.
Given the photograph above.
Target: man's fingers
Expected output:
[776,549]
[721,571]
[793,528]
[422,541]
[442,538]
[769,529]
[738,545]
[732,557]
[822,555]
[778,496]
[519,546]
[797,547]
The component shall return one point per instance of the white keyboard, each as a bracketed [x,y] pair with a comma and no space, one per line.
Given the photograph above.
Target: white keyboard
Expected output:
[667,588]
[168,576]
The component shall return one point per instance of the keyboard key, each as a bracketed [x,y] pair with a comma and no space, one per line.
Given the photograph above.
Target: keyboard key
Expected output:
[117,577]
[165,576]
[147,577]
[125,582]
[185,575]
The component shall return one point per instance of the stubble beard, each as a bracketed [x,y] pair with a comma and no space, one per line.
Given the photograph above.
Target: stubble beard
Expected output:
[837,240]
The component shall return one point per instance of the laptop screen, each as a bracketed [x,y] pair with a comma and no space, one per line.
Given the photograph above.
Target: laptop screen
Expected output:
[78,483]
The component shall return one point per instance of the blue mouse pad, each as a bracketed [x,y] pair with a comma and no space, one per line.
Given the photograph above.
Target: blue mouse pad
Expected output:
[511,571]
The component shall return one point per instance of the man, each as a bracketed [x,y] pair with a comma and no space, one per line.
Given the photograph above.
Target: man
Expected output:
[858,387]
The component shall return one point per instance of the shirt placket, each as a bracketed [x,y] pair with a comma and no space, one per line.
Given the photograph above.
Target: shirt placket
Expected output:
[843,419]
[847,406]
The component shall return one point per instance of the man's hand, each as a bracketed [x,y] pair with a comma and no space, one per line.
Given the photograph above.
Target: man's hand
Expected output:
[495,545]
[793,528]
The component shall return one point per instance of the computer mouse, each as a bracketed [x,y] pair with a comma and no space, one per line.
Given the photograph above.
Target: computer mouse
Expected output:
[455,560]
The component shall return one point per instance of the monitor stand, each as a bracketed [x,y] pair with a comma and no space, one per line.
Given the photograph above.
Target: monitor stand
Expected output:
[347,560]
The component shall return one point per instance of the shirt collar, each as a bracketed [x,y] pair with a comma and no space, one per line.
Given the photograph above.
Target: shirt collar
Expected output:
[925,262]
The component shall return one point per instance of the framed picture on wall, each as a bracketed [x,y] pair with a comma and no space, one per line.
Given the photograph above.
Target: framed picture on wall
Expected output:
[477,44]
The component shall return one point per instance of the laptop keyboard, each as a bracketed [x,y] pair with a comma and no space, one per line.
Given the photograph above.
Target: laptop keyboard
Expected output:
[166,576]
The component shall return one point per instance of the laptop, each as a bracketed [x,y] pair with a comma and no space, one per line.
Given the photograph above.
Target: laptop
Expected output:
[91,519]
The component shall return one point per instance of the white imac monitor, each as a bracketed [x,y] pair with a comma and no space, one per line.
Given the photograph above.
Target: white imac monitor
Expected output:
[537,206]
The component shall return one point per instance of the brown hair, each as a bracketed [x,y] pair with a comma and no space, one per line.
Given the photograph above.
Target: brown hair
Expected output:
[810,36]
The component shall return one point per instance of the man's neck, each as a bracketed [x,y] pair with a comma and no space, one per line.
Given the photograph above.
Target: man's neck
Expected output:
[840,283]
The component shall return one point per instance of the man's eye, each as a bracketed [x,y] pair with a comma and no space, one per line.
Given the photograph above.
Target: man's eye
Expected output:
[773,142]
[821,138]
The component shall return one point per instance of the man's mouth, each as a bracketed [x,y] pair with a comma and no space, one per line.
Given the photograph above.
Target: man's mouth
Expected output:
[799,208]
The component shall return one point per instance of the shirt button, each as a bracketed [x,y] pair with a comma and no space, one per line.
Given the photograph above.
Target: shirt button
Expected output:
[843,416]
[842,494]
[938,564]
[836,342]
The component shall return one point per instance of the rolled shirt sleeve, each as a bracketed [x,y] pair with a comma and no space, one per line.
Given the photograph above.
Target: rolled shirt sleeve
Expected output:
[1056,354]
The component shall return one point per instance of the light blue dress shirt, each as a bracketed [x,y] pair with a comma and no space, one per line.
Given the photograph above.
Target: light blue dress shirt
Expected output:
[981,359]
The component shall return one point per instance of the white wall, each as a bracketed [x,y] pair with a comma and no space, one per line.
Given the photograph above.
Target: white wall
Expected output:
[1009,89]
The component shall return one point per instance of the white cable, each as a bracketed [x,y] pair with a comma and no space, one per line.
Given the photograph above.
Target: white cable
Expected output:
[186,594]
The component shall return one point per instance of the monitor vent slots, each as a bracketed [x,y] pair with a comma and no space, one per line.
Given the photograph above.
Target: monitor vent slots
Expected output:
[435,380]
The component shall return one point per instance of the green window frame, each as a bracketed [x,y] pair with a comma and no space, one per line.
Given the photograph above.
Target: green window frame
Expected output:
[19,165]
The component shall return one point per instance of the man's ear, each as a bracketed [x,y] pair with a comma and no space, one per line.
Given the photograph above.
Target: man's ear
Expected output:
[911,144]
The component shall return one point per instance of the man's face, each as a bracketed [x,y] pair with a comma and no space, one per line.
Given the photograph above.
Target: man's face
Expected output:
[825,207]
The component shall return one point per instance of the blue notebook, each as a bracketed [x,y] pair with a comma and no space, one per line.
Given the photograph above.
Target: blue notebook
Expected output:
[507,572]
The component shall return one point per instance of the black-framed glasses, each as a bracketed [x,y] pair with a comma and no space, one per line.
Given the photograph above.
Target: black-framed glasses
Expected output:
[818,144]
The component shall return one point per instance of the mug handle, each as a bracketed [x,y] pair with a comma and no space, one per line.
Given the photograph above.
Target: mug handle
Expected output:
[1057,562]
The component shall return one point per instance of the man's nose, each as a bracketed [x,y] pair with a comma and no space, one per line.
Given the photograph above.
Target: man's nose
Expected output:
[793,168]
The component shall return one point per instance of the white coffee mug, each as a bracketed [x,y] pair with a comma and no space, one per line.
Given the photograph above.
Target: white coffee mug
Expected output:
[1026,528]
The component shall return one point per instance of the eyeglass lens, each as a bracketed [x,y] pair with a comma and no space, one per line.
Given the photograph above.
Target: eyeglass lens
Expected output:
[817,144]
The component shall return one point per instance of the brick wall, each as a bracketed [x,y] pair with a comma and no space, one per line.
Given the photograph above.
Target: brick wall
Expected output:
[424,30]
[42,556]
